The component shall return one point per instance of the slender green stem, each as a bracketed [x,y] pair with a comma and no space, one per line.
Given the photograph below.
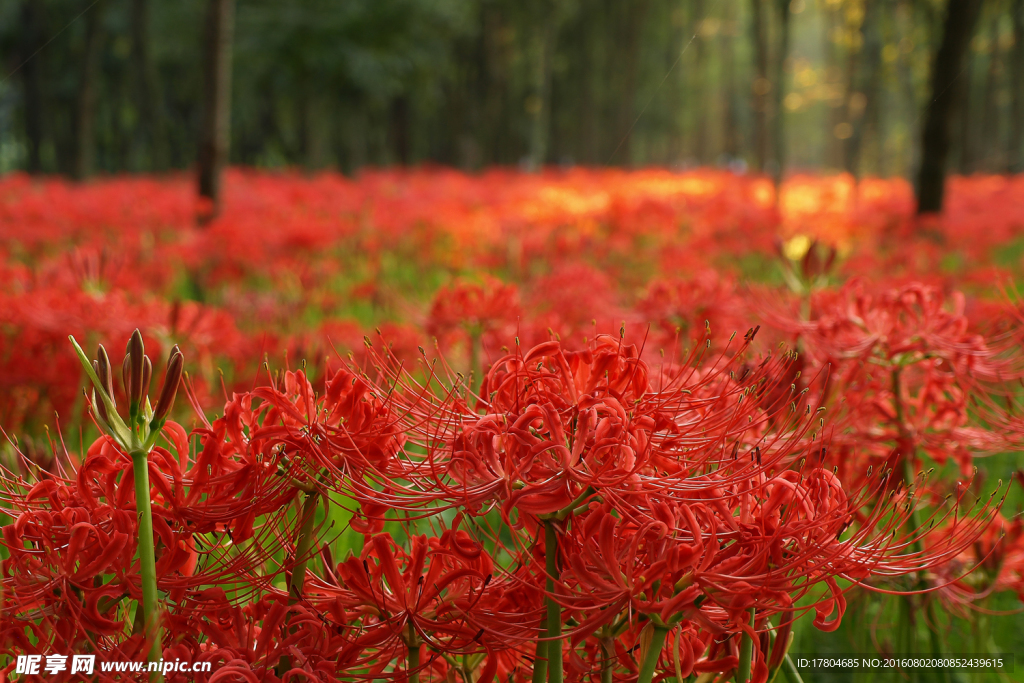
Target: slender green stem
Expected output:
[414,661]
[789,668]
[298,580]
[653,653]
[554,630]
[746,652]
[475,368]
[541,655]
[608,660]
[913,523]
[147,555]
[540,660]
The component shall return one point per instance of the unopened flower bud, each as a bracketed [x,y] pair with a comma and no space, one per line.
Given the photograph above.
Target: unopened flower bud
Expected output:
[136,354]
[103,371]
[170,388]
[101,407]
[126,376]
[147,375]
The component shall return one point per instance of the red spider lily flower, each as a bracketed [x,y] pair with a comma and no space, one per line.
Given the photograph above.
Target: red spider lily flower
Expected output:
[689,307]
[698,535]
[476,315]
[409,599]
[914,376]
[475,309]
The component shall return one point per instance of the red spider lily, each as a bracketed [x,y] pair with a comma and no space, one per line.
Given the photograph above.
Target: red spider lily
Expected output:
[406,600]
[679,495]
[910,371]
[992,564]
[475,309]
[558,430]
[686,307]
[80,530]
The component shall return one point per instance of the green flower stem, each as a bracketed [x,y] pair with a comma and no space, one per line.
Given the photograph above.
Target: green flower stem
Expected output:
[414,660]
[475,367]
[650,662]
[913,524]
[554,629]
[147,555]
[540,661]
[608,661]
[298,580]
[789,668]
[746,652]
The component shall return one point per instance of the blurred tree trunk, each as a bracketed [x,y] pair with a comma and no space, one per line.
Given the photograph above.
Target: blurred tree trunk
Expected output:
[316,129]
[990,141]
[963,115]
[401,130]
[961,16]
[627,57]
[862,94]
[151,131]
[495,81]
[778,122]
[538,102]
[833,152]
[592,82]
[761,86]
[1015,158]
[215,127]
[700,83]
[85,106]
[730,125]
[31,78]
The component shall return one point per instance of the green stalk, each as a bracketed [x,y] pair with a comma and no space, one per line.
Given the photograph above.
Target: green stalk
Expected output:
[147,556]
[912,525]
[298,579]
[789,668]
[608,663]
[475,369]
[554,629]
[653,653]
[414,661]
[746,652]
[540,660]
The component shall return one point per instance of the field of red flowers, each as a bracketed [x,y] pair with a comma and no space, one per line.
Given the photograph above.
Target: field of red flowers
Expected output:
[580,425]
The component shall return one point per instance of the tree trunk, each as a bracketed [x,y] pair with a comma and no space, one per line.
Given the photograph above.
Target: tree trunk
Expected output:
[990,140]
[730,124]
[629,59]
[862,94]
[85,107]
[961,15]
[538,103]
[833,152]
[1015,159]
[151,131]
[761,86]
[963,114]
[778,122]
[215,131]
[401,130]
[31,78]
[700,83]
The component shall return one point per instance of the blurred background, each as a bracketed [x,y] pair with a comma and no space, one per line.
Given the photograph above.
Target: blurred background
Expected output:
[111,86]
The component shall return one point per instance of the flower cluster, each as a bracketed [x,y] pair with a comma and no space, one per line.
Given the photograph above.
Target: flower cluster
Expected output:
[503,487]
[585,514]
